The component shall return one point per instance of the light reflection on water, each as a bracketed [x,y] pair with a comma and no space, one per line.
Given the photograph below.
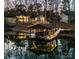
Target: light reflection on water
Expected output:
[14,52]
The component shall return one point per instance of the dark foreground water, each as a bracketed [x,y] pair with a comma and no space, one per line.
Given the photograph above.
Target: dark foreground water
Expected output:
[17,52]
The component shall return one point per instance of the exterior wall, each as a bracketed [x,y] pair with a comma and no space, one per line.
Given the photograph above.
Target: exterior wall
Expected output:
[10,20]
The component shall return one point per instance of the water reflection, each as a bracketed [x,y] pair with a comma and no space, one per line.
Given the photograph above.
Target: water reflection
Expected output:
[13,51]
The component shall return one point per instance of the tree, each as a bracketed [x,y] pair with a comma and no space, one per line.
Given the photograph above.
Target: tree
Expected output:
[34,9]
[67,10]
[45,8]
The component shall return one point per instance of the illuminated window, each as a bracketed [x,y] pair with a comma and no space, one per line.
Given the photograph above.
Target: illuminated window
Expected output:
[42,19]
[23,19]
[21,35]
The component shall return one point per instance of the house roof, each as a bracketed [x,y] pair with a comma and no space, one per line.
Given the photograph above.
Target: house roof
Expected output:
[41,26]
[64,25]
[20,27]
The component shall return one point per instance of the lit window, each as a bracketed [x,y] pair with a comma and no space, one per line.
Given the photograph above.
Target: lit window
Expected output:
[21,35]
[22,19]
